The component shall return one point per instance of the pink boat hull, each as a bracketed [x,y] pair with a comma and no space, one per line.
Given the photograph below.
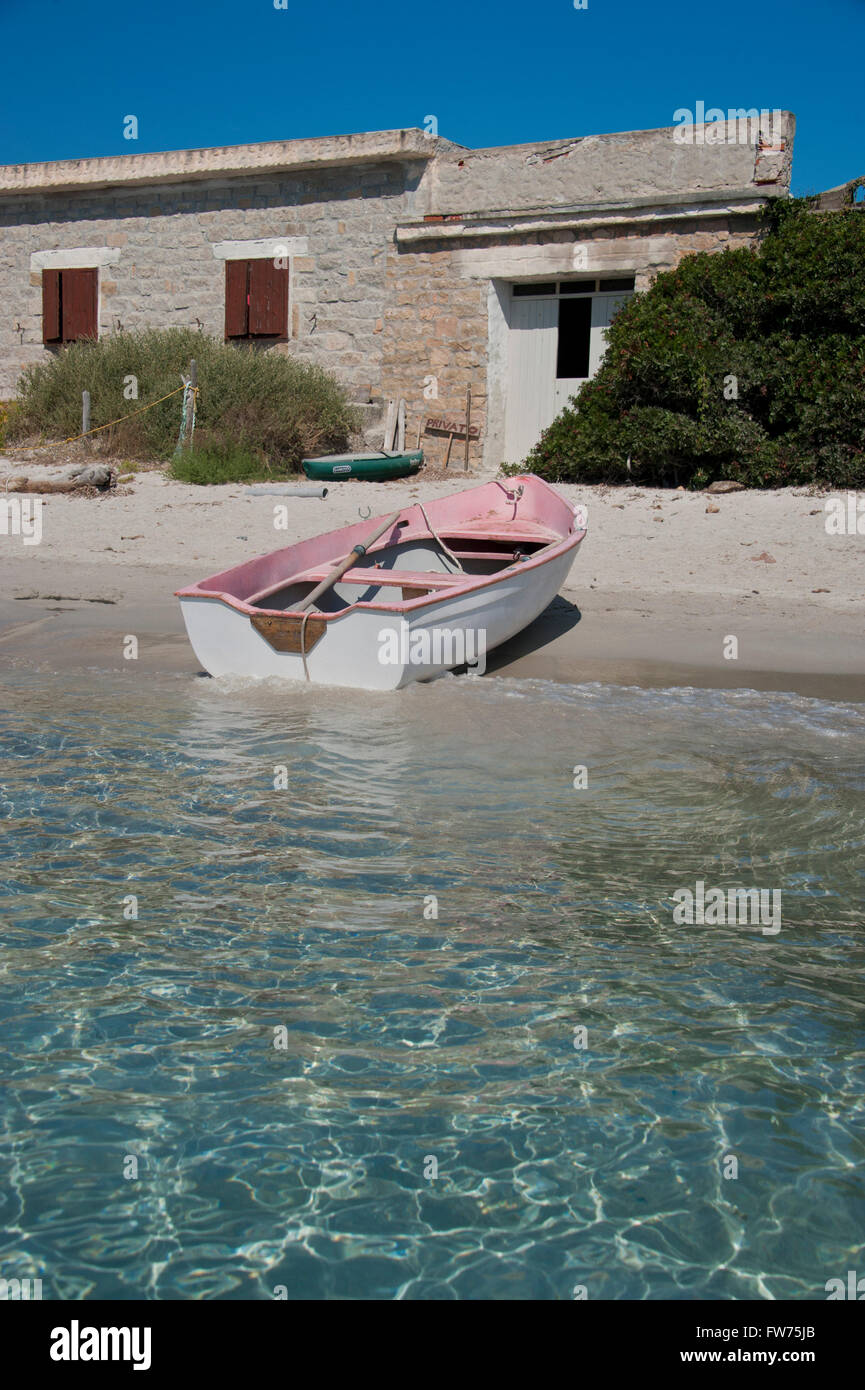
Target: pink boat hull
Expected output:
[403,611]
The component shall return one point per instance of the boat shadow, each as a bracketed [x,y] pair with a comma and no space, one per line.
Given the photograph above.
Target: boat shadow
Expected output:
[557,618]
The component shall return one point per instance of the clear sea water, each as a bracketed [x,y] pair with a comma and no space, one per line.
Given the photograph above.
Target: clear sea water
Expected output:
[331,1092]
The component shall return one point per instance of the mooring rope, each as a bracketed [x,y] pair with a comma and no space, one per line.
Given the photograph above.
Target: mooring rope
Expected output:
[435,533]
[306,615]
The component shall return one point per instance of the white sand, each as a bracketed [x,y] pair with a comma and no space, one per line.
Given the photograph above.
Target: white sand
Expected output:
[659,582]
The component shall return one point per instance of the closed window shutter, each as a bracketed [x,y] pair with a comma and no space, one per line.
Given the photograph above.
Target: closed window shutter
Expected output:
[236,302]
[51,306]
[80,304]
[268,299]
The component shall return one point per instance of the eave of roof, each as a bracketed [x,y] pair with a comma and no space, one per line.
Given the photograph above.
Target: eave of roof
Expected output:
[226,161]
[504,222]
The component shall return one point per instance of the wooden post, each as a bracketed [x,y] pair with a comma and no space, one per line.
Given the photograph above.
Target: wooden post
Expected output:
[193,381]
[389,428]
[85,411]
[468,425]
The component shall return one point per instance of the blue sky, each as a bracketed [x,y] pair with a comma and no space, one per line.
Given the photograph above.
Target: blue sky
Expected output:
[214,72]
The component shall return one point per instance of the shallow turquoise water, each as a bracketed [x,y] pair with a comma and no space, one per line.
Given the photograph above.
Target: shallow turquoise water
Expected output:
[410,1038]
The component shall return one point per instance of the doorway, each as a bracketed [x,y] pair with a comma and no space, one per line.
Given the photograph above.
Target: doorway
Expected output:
[556,340]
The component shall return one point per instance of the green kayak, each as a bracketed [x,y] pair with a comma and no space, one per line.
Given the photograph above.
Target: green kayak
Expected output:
[374,467]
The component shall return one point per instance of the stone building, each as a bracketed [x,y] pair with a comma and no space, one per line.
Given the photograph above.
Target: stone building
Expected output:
[408,265]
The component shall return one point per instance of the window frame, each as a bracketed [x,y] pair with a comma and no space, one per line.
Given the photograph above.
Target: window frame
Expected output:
[56,298]
[573,290]
[246,290]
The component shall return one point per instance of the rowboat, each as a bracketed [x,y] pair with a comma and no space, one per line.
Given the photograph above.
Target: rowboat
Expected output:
[376,467]
[432,587]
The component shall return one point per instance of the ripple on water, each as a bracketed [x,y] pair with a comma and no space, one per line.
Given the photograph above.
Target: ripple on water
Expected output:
[338,1038]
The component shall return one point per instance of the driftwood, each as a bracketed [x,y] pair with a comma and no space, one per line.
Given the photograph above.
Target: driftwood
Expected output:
[389,428]
[96,475]
[725,485]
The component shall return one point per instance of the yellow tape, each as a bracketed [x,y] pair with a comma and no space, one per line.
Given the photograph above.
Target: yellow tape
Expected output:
[73,437]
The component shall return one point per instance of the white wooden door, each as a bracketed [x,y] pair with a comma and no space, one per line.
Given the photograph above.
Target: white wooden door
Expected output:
[604,308]
[567,386]
[535,395]
[533,342]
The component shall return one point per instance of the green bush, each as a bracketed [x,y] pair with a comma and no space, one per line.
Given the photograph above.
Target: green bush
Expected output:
[226,464]
[259,412]
[7,416]
[745,365]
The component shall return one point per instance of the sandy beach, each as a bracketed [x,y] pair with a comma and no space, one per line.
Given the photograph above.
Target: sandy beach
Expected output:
[662,580]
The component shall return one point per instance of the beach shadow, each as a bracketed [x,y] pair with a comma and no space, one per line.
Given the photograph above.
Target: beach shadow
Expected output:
[557,618]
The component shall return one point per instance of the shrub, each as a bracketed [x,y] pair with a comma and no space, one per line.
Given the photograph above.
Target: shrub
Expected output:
[256,410]
[745,365]
[227,464]
[7,414]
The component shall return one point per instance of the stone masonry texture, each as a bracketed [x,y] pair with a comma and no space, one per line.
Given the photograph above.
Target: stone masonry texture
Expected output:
[405,239]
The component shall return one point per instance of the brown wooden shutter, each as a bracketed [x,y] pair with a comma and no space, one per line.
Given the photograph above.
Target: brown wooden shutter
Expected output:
[51,306]
[236,299]
[268,299]
[80,304]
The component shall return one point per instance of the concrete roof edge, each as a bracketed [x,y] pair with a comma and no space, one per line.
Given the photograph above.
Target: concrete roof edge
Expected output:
[720,197]
[327,151]
[559,141]
[172,166]
[842,187]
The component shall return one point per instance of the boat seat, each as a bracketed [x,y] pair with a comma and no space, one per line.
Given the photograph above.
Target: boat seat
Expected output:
[363,575]
[369,575]
[517,532]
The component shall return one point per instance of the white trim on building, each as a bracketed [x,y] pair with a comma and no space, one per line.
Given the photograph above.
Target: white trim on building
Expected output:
[264,249]
[74,258]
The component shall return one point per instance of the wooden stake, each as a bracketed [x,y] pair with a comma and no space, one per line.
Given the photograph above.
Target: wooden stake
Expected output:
[468,425]
[389,427]
[193,381]
[85,412]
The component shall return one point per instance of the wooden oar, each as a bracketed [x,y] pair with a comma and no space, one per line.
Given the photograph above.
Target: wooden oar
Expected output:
[339,570]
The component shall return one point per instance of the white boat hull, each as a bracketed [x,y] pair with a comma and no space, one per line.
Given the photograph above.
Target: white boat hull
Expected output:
[348,654]
[378,611]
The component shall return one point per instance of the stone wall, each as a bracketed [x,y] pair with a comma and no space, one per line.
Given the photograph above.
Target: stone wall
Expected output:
[167,273]
[402,249]
[435,344]
[445,320]
[623,167]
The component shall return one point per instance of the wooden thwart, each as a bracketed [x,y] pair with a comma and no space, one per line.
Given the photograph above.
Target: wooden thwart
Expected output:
[339,570]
